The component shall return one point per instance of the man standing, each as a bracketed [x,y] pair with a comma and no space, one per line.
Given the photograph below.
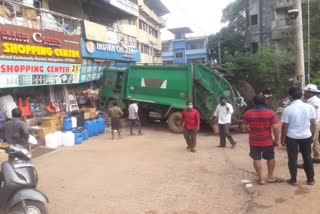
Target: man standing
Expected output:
[134,117]
[298,128]
[16,131]
[261,122]
[190,121]
[115,113]
[310,94]
[223,115]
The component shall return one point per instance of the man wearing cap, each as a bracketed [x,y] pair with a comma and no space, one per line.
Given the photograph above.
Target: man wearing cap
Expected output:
[310,95]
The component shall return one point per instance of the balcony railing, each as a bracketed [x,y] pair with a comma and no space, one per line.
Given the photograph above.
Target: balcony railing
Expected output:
[23,15]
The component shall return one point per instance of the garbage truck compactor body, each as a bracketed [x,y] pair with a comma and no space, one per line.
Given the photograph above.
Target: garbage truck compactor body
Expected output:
[163,90]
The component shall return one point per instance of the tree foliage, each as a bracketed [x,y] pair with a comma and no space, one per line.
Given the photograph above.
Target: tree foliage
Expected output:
[266,68]
[231,42]
[235,14]
[314,37]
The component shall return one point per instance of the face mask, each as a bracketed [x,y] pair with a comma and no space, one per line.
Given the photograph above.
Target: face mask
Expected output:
[189,106]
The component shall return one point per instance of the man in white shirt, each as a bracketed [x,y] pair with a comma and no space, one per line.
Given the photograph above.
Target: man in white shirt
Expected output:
[310,94]
[298,127]
[134,117]
[222,115]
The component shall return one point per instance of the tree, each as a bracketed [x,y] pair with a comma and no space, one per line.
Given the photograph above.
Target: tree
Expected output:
[235,14]
[266,68]
[314,35]
[232,37]
[231,41]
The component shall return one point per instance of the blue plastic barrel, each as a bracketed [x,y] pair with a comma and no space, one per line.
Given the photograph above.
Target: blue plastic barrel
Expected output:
[67,123]
[101,124]
[78,137]
[88,126]
[85,134]
[95,124]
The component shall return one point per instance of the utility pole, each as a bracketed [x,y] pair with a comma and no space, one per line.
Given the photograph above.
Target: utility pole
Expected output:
[296,16]
[219,51]
[309,44]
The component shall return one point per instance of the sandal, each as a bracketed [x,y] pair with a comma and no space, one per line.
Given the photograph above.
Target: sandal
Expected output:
[261,182]
[276,180]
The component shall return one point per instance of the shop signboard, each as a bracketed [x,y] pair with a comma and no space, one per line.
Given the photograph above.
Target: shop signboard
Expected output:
[108,51]
[27,44]
[27,73]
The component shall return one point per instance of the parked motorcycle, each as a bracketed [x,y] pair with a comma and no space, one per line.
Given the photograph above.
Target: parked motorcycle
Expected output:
[18,182]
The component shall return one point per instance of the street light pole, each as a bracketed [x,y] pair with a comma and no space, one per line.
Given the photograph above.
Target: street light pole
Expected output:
[300,68]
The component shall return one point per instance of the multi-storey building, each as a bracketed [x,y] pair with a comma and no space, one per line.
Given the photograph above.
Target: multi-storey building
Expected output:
[184,49]
[268,23]
[62,46]
[146,27]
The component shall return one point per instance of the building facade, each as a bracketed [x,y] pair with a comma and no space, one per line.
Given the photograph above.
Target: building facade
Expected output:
[63,42]
[146,28]
[184,49]
[268,23]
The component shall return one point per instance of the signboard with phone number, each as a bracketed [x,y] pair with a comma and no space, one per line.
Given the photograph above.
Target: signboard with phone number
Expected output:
[24,74]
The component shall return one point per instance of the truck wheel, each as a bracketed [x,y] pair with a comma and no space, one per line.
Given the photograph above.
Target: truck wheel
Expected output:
[174,122]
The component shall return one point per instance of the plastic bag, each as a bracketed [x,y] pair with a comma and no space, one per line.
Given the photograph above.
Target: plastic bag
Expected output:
[32,140]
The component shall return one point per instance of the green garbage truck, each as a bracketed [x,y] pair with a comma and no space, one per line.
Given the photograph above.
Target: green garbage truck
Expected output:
[163,90]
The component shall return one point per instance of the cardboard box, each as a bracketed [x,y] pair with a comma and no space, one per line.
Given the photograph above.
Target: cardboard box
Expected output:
[89,111]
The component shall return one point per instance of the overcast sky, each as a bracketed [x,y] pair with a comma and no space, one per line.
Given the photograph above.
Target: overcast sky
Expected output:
[202,16]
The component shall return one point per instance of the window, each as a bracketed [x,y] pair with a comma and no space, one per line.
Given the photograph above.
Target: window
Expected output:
[143,26]
[165,47]
[192,45]
[179,55]
[254,47]
[254,19]
[153,32]
[145,49]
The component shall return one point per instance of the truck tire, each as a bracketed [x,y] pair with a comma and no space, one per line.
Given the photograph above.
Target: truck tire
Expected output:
[173,122]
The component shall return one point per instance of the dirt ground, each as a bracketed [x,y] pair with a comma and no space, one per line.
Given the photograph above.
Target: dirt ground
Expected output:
[154,174]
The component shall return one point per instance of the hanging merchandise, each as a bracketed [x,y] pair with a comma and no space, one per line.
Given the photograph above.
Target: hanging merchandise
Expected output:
[24,106]
[7,104]
[72,103]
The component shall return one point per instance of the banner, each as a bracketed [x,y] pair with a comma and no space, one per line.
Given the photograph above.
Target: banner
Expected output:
[27,44]
[23,73]
[125,5]
[100,33]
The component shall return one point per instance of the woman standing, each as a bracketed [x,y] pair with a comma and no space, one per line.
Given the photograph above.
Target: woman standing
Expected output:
[115,113]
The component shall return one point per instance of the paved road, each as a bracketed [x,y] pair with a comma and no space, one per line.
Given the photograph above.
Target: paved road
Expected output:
[153,174]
